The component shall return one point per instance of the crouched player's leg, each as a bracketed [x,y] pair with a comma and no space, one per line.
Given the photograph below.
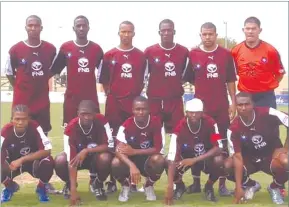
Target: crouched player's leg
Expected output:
[150,167]
[41,169]
[96,163]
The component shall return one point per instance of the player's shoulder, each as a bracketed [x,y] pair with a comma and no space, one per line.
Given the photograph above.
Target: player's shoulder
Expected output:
[196,49]
[67,44]
[237,47]
[6,129]
[101,118]
[235,124]
[48,44]
[262,111]
[71,125]
[128,122]
[208,119]
[137,50]
[155,120]
[18,46]
[268,46]
[95,45]
[151,48]
[181,47]
[223,50]
[112,51]
[33,124]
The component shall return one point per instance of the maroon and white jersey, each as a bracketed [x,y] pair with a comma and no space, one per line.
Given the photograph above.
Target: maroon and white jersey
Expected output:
[76,139]
[141,137]
[210,72]
[30,65]
[165,68]
[260,138]
[14,146]
[123,71]
[81,62]
[195,143]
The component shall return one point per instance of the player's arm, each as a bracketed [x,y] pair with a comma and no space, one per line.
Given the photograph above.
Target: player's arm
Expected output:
[188,74]
[44,147]
[3,148]
[103,147]
[283,119]
[10,68]
[58,64]
[277,66]
[104,74]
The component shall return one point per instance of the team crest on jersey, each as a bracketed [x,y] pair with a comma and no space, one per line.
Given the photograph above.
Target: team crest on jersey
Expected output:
[156,60]
[36,67]
[23,61]
[25,151]
[264,60]
[197,66]
[145,145]
[170,69]
[258,141]
[113,62]
[212,71]
[68,55]
[126,70]
[199,149]
[83,65]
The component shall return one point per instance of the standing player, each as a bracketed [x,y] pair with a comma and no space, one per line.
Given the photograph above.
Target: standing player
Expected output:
[138,151]
[86,147]
[122,76]
[195,143]
[211,70]
[255,146]
[166,64]
[259,66]
[27,69]
[81,57]
[24,148]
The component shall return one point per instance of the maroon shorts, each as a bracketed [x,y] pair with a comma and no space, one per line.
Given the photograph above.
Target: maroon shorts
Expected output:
[222,119]
[70,108]
[43,119]
[169,111]
[140,162]
[117,111]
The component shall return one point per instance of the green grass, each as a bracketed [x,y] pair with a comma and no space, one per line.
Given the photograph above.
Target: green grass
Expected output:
[27,197]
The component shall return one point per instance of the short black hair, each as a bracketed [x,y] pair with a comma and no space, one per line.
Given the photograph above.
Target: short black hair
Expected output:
[140,99]
[167,21]
[244,95]
[20,108]
[81,17]
[34,16]
[209,25]
[253,20]
[127,23]
[89,104]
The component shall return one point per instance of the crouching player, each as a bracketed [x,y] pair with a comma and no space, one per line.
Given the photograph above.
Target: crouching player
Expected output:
[139,142]
[255,146]
[24,148]
[195,143]
[86,148]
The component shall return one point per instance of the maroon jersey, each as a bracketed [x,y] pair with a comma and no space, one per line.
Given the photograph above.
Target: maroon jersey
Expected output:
[123,71]
[30,65]
[81,62]
[141,137]
[13,146]
[165,68]
[258,139]
[186,141]
[76,139]
[209,72]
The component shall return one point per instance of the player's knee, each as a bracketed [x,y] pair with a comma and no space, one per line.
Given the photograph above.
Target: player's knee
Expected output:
[116,163]
[104,159]
[117,167]
[60,160]
[218,161]
[157,160]
[283,159]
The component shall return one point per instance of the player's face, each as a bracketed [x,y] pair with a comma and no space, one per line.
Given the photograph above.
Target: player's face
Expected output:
[20,121]
[86,116]
[244,106]
[208,36]
[33,27]
[126,33]
[167,32]
[194,117]
[81,28]
[252,32]
[140,111]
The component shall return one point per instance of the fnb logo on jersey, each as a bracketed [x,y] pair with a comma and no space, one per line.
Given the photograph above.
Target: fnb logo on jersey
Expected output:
[170,69]
[212,68]
[36,69]
[126,68]
[83,63]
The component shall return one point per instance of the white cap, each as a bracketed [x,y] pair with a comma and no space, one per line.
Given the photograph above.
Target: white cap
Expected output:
[194,105]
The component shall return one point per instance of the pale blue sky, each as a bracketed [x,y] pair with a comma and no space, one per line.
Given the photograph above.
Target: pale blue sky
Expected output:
[105,18]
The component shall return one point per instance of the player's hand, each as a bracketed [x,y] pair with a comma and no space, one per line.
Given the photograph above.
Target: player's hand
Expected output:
[126,149]
[135,175]
[169,196]
[14,165]
[186,163]
[239,196]
[232,111]
[74,198]
[79,158]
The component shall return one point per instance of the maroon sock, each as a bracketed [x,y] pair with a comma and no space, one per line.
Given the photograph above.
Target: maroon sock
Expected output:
[149,182]
[249,183]
[209,184]
[7,182]
[41,184]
